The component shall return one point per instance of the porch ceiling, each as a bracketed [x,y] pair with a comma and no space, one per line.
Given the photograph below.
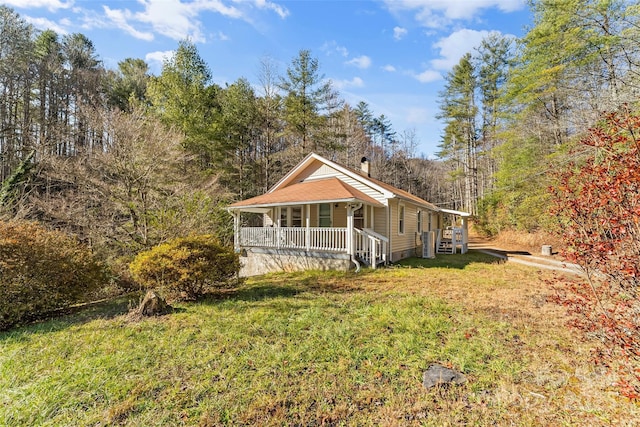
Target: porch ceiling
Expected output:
[330,190]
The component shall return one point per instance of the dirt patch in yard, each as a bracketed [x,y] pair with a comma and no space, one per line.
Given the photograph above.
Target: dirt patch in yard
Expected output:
[517,242]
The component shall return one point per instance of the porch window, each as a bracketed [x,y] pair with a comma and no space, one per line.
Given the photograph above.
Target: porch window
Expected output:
[324,215]
[419,222]
[296,216]
[401,219]
[358,218]
[284,217]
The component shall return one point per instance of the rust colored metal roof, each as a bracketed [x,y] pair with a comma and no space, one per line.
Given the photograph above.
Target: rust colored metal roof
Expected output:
[401,193]
[396,191]
[323,190]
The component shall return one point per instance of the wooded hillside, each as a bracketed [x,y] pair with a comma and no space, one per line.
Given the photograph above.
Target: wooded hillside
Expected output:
[126,159]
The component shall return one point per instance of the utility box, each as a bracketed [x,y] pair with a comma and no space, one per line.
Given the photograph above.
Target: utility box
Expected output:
[428,244]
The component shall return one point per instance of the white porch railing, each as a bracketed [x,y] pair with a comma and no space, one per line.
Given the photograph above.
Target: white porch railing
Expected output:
[370,247]
[331,239]
[449,239]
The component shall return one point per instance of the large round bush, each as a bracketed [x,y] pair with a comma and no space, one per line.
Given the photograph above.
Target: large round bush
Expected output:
[186,268]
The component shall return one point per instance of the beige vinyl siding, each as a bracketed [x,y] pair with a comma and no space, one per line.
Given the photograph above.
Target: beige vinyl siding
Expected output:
[380,221]
[435,220]
[269,218]
[403,245]
[313,216]
[374,194]
[339,214]
[395,241]
[318,170]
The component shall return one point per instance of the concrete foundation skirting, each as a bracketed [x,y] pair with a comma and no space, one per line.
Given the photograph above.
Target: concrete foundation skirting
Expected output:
[257,261]
[407,253]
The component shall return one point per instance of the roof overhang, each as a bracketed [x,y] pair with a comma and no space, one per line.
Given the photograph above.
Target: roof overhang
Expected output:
[251,209]
[267,207]
[329,190]
[454,212]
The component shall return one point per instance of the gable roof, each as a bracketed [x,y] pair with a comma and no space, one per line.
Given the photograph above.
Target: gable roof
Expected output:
[286,192]
[389,191]
[401,194]
[310,158]
[328,190]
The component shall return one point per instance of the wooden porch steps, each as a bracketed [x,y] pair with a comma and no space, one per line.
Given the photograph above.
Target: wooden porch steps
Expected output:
[366,261]
[446,247]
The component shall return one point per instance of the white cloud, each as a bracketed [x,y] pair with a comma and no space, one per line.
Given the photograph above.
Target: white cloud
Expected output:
[52,5]
[451,49]
[222,36]
[283,12]
[389,68]
[120,18]
[345,84]
[399,33]
[439,13]
[159,57]
[46,24]
[428,76]
[179,19]
[171,18]
[361,62]
[454,46]
[208,5]
[330,47]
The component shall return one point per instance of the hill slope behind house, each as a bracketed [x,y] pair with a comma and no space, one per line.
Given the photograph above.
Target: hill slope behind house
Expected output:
[314,348]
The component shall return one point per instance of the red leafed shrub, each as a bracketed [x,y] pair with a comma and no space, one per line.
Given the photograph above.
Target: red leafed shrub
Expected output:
[42,270]
[597,201]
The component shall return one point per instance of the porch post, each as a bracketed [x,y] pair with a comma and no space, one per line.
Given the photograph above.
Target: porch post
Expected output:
[350,245]
[349,230]
[278,233]
[374,255]
[236,231]
[351,208]
[308,224]
[465,235]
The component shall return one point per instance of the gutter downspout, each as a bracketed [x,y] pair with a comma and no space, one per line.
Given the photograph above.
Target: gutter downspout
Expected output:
[351,208]
[236,231]
[389,230]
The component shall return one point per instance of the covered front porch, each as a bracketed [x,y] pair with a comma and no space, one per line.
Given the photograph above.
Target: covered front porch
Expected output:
[323,219]
[292,233]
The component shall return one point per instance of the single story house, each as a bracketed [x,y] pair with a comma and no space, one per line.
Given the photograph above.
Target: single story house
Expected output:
[322,215]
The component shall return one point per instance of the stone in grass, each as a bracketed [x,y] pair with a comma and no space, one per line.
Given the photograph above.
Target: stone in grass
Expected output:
[152,305]
[441,375]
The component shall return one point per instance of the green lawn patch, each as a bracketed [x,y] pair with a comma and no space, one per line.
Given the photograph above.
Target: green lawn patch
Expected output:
[286,349]
[451,260]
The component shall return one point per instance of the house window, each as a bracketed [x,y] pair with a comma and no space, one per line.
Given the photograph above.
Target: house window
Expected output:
[284,217]
[429,225]
[401,219]
[296,216]
[419,222]
[358,218]
[324,215]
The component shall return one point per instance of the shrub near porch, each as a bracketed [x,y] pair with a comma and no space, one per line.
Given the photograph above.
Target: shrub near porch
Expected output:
[186,268]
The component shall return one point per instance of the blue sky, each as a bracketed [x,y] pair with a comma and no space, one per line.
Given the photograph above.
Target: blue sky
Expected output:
[392,54]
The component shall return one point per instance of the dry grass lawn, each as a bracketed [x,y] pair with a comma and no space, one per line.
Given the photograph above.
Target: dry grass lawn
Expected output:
[320,349]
